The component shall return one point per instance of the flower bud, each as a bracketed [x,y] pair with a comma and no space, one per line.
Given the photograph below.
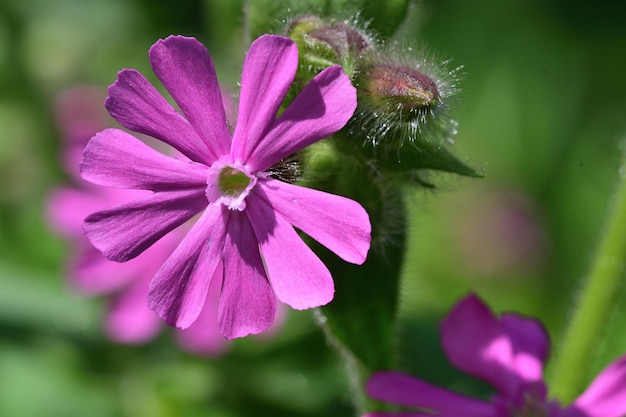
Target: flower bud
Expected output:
[404,97]
[341,38]
[401,123]
[400,86]
[323,44]
[301,26]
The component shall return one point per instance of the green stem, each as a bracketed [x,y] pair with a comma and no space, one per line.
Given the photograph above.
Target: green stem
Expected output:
[595,302]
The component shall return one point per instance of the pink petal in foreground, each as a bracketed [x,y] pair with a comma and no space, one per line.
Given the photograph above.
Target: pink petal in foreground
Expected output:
[123,232]
[475,342]
[203,336]
[606,396]
[138,106]
[186,69]
[320,110]
[268,71]
[247,305]
[114,158]
[298,276]
[179,288]
[401,389]
[340,224]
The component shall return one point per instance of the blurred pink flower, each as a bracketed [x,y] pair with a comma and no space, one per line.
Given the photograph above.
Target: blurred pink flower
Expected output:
[245,230]
[507,352]
[129,320]
[498,233]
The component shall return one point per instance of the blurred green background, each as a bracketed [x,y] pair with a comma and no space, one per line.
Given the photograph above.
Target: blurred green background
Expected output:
[542,114]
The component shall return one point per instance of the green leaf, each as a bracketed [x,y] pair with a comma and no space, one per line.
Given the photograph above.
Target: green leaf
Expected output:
[425,155]
[361,319]
[410,156]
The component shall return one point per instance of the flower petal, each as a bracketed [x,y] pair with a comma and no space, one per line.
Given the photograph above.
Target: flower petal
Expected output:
[298,276]
[606,396]
[475,342]
[114,158]
[268,71]
[123,232]
[91,274]
[340,224]
[531,345]
[67,207]
[138,106]
[247,304]
[401,389]
[403,414]
[203,336]
[129,319]
[179,288]
[320,110]
[186,69]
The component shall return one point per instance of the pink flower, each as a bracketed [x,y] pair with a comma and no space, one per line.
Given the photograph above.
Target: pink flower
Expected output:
[507,352]
[245,228]
[128,319]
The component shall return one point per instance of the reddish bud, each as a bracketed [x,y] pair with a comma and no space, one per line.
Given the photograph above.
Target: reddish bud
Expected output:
[401,86]
[341,38]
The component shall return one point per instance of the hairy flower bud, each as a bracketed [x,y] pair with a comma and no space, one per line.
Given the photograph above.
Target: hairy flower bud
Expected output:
[323,44]
[343,39]
[401,123]
[401,87]
[404,97]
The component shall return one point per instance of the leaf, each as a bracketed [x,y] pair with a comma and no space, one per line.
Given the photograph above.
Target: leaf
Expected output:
[425,155]
[362,315]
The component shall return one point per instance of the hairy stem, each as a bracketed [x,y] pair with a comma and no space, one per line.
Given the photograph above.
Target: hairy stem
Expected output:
[595,301]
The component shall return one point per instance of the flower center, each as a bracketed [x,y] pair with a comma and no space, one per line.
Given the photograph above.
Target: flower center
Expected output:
[529,404]
[532,409]
[229,184]
[232,182]
[533,406]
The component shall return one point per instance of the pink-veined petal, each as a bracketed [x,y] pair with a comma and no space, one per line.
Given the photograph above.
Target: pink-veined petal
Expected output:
[138,106]
[68,207]
[203,336]
[320,110]
[123,232]
[129,320]
[475,342]
[186,69]
[298,276]
[247,304]
[401,389]
[340,224]
[268,71]
[531,345]
[114,158]
[179,288]
[606,396]
[93,274]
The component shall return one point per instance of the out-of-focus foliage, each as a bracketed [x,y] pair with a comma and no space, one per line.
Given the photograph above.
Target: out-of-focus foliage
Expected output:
[541,113]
